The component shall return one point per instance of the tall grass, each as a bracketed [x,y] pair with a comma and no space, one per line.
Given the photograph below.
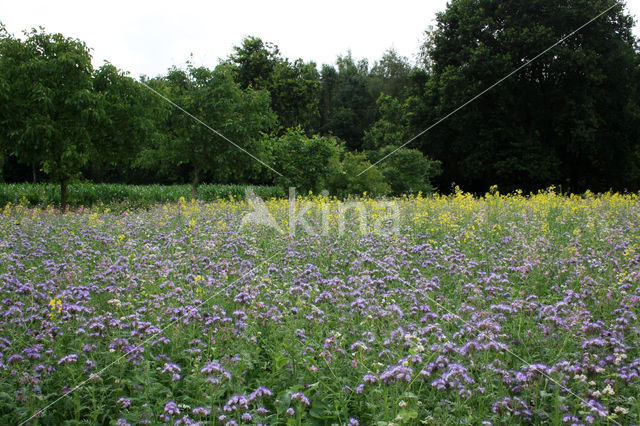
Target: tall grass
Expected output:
[90,194]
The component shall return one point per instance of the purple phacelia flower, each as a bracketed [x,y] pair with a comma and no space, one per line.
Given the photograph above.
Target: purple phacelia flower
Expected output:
[68,359]
[124,402]
[301,397]
[237,402]
[171,408]
[370,379]
[395,374]
[215,367]
[201,411]
[260,392]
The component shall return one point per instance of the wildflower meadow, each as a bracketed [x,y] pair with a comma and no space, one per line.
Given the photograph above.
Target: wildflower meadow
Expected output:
[501,309]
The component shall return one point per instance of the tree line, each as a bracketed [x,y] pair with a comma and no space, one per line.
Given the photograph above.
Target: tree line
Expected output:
[571,117]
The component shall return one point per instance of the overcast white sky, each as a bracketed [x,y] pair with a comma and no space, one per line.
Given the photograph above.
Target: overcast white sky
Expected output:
[147,37]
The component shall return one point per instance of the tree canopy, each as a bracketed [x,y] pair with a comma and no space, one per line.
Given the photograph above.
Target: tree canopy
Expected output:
[48,103]
[571,118]
[238,117]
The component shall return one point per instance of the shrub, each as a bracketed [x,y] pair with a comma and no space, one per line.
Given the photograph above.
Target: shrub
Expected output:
[349,181]
[406,170]
[307,163]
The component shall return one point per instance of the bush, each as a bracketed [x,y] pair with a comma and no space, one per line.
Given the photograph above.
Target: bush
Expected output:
[320,163]
[307,163]
[406,170]
[349,181]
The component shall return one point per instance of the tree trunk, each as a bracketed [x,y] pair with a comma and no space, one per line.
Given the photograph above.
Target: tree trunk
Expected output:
[33,172]
[63,196]
[97,172]
[194,183]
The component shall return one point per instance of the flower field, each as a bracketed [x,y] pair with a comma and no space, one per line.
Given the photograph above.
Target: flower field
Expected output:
[494,310]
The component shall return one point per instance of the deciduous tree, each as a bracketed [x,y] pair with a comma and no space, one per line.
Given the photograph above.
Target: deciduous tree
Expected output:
[570,117]
[129,120]
[49,103]
[237,117]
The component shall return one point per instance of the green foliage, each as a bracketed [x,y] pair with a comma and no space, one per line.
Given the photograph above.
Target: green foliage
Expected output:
[294,86]
[571,116]
[87,194]
[349,181]
[392,128]
[347,106]
[320,163]
[390,75]
[406,170]
[295,94]
[47,82]
[255,61]
[129,113]
[307,163]
[217,100]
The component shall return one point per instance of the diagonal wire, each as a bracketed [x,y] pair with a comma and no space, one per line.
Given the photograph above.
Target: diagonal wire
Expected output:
[144,342]
[209,127]
[526,64]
